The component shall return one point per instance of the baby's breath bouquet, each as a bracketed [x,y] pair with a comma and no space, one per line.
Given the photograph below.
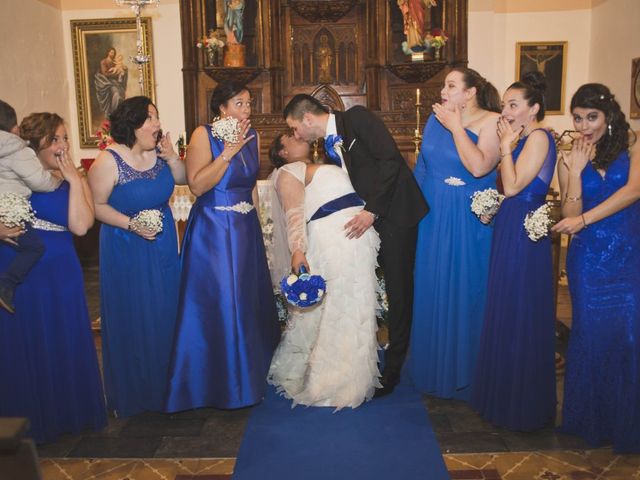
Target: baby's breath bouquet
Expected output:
[226,129]
[148,219]
[15,210]
[538,222]
[486,202]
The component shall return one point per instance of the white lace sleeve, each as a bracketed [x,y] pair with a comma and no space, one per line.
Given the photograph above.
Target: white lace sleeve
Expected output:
[289,185]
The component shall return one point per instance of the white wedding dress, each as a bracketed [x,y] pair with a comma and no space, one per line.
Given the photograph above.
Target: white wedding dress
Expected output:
[328,353]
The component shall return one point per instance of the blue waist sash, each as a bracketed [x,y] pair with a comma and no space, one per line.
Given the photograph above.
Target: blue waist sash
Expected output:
[531,197]
[340,203]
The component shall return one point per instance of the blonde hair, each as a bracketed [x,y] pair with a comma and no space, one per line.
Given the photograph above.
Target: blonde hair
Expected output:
[38,126]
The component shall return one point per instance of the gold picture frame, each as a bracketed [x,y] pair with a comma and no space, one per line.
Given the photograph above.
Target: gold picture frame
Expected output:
[550,58]
[103,72]
[634,110]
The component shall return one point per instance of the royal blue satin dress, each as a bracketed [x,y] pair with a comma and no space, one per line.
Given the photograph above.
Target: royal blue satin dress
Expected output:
[48,365]
[602,379]
[452,259]
[227,322]
[515,381]
[139,293]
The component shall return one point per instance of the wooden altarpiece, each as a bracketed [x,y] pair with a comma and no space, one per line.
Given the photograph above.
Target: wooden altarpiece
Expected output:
[344,52]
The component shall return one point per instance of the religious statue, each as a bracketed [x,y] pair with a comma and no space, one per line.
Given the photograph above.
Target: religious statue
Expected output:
[414,13]
[324,57]
[233,11]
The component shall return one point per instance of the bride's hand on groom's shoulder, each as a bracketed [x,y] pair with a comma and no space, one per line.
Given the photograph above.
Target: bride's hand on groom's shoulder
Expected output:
[359,224]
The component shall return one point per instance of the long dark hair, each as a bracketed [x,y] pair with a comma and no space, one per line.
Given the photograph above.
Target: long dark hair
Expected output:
[533,86]
[486,94]
[616,137]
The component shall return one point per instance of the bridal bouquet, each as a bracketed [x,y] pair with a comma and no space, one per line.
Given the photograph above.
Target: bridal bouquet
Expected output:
[538,222]
[226,129]
[15,210]
[148,219]
[303,290]
[486,202]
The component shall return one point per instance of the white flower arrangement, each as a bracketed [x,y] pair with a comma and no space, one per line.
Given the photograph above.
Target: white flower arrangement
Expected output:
[454,181]
[226,129]
[538,222]
[148,219]
[15,210]
[486,202]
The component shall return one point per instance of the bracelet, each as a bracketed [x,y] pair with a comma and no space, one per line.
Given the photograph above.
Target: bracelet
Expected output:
[504,154]
[224,157]
[583,220]
[572,199]
[130,224]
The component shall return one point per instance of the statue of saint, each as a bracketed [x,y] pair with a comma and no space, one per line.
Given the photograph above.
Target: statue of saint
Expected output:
[233,11]
[324,58]
[414,13]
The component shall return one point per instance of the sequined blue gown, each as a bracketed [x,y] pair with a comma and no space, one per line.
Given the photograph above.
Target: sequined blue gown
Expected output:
[602,380]
[48,365]
[227,322]
[515,381]
[139,293]
[452,259]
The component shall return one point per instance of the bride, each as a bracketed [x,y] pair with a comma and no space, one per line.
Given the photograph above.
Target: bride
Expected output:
[328,353]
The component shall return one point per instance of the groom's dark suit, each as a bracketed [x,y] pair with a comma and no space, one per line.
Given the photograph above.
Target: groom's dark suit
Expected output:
[381,177]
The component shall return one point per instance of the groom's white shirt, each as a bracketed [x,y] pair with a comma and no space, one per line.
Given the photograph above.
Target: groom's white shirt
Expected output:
[333,130]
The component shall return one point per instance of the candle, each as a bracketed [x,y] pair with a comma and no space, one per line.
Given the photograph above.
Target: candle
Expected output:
[417,95]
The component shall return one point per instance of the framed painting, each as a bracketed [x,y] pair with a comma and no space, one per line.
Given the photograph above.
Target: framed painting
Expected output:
[634,111]
[549,58]
[104,73]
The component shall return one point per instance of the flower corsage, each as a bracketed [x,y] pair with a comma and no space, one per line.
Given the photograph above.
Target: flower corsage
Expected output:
[303,290]
[148,219]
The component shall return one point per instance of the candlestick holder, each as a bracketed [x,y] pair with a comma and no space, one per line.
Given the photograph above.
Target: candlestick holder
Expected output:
[417,136]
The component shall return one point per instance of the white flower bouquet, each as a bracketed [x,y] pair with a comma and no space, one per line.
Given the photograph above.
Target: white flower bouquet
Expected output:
[149,220]
[15,210]
[226,129]
[486,202]
[538,222]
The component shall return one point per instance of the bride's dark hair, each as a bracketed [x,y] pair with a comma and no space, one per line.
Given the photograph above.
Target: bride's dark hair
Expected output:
[274,152]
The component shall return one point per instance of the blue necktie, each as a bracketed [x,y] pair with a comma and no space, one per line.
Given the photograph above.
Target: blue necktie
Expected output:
[330,150]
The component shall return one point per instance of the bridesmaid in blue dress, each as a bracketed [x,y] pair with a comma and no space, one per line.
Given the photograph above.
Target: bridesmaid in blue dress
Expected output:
[458,157]
[515,383]
[139,268]
[48,366]
[600,186]
[227,323]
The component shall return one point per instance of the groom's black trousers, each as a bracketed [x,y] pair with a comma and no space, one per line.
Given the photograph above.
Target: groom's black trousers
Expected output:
[397,257]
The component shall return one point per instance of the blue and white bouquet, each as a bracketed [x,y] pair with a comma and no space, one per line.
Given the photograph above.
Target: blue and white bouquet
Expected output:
[303,290]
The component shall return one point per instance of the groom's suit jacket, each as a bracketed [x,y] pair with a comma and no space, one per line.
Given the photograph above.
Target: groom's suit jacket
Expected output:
[378,171]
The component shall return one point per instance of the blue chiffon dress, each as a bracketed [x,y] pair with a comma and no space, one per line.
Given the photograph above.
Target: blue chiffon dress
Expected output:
[515,382]
[602,380]
[139,293]
[48,365]
[227,322]
[452,258]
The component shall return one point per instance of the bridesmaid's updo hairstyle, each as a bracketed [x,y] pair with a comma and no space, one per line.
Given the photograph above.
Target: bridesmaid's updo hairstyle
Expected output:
[38,129]
[616,136]
[534,87]
[129,116]
[274,152]
[486,94]
[224,92]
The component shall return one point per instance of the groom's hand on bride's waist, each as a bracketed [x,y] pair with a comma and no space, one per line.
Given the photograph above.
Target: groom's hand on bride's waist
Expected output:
[359,224]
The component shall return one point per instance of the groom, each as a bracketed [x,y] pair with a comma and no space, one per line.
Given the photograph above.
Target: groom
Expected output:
[358,141]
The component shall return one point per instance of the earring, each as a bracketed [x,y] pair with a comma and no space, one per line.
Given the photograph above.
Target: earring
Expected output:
[610,129]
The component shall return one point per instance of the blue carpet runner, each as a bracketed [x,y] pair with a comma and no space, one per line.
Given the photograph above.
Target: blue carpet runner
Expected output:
[386,438]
